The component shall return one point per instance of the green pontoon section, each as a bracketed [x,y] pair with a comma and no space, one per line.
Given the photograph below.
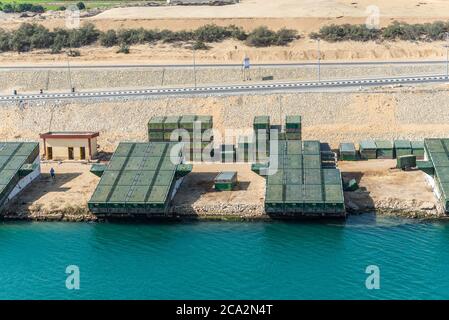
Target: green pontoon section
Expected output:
[98,169]
[402,148]
[300,186]
[225,181]
[437,151]
[347,151]
[17,160]
[139,179]
[384,149]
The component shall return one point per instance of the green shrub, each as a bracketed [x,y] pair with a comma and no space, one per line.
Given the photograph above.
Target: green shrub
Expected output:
[169,36]
[200,45]
[211,33]
[61,8]
[22,7]
[346,32]
[37,9]
[4,41]
[8,8]
[261,37]
[32,36]
[285,36]
[123,49]
[237,33]
[81,5]
[83,36]
[55,48]
[108,38]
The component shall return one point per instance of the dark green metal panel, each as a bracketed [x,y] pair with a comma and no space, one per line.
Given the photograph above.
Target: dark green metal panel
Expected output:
[294,193]
[311,147]
[294,147]
[312,176]
[98,169]
[109,178]
[164,178]
[293,162]
[293,122]
[127,178]
[158,194]
[101,194]
[156,123]
[276,178]
[141,150]
[116,163]
[261,122]
[274,193]
[186,122]
[150,164]
[312,161]
[6,175]
[333,193]
[15,163]
[331,177]
[8,148]
[293,176]
[439,159]
[119,194]
[313,193]
[171,123]
[123,149]
[442,174]
[134,163]
[138,194]
[434,146]
[145,178]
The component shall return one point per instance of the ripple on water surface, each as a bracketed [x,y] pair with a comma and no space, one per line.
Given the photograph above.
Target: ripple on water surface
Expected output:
[215,260]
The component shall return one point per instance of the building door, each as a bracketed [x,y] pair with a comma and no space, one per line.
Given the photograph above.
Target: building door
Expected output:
[83,153]
[49,153]
[71,157]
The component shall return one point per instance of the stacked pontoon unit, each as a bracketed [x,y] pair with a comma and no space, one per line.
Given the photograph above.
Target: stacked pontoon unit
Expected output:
[190,129]
[141,178]
[298,186]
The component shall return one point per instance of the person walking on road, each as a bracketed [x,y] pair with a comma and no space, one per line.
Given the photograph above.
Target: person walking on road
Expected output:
[52,174]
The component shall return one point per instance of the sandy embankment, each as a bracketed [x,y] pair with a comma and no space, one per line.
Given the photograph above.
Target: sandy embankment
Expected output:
[305,16]
[332,117]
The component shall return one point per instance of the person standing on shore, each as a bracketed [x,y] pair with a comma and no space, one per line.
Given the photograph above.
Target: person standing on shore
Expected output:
[52,174]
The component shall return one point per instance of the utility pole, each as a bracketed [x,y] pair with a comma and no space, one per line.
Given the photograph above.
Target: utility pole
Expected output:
[194,67]
[70,75]
[319,61]
[447,54]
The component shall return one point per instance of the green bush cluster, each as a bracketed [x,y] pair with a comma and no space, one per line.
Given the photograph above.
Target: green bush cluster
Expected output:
[344,32]
[395,31]
[32,36]
[21,7]
[264,37]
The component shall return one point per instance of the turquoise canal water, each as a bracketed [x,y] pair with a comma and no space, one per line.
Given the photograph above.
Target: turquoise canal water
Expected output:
[226,260]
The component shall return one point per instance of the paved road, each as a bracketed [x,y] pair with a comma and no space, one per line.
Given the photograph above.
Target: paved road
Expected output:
[302,86]
[262,65]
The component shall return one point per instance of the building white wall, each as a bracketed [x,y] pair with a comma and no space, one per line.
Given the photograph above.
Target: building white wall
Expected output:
[60,147]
